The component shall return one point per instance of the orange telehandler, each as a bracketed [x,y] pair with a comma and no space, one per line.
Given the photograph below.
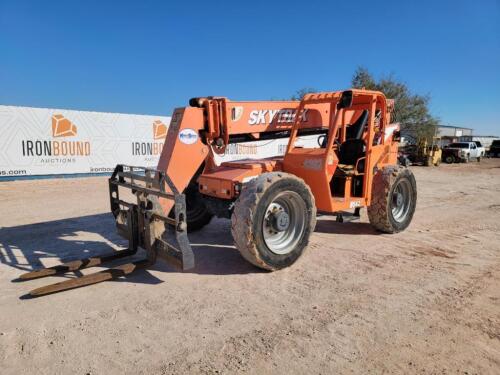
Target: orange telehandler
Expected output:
[272,202]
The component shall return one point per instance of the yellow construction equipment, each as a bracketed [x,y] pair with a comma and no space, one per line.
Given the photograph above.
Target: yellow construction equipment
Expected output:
[424,153]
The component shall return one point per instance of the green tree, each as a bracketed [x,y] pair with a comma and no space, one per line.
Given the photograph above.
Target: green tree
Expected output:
[410,110]
[300,93]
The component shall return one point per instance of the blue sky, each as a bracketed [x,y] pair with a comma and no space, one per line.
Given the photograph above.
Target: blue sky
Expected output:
[151,56]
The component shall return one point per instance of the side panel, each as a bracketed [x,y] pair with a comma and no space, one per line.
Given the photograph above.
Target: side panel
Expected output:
[183,152]
[220,181]
[259,117]
[316,170]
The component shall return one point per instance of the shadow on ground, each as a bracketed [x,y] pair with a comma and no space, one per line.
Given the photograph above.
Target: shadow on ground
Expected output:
[33,246]
[331,226]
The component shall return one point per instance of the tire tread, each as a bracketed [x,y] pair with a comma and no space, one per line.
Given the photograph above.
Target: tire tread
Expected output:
[378,211]
[242,217]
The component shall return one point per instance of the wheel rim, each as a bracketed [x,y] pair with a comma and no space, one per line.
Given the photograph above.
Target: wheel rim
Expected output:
[401,200]
[284,222]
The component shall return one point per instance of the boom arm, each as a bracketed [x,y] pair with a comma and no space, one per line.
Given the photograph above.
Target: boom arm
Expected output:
[210,124]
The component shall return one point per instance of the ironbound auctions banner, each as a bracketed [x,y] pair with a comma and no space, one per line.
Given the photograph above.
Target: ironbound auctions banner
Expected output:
[43,141]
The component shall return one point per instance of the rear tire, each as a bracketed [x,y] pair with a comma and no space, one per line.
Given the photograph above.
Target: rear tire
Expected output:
[273,219]
[394,198]
[478,159]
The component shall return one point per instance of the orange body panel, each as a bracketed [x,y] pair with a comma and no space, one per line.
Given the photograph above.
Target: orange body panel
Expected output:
[310,165]
[222,181]
[183,152]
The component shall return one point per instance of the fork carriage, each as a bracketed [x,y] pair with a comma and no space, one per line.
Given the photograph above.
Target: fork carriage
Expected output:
[143,224]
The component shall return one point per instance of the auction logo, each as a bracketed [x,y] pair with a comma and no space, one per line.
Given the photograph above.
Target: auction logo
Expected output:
[240,149]
[159,130]
[58,151]
[151,148]
[62,127]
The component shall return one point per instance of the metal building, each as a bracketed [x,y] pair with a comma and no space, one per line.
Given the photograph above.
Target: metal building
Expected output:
[449,133]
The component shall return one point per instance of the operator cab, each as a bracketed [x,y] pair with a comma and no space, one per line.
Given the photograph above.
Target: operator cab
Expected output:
[353,148]
[351,153]
[358,142]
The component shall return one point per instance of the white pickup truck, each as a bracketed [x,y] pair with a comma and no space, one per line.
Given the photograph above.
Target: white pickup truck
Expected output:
[463,151]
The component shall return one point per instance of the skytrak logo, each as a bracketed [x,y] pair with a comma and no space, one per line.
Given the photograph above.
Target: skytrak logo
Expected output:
[62,127]
[66,150]
[159,130]
[267,116]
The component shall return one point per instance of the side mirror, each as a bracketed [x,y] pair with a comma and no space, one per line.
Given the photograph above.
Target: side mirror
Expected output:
[345,100]
[322,140]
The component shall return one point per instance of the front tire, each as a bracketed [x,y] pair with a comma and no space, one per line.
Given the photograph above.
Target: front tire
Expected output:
[273,219]
[197,212]
[394,198]
[449,159]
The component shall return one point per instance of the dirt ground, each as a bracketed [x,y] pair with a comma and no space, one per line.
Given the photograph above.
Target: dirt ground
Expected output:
[423,301]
